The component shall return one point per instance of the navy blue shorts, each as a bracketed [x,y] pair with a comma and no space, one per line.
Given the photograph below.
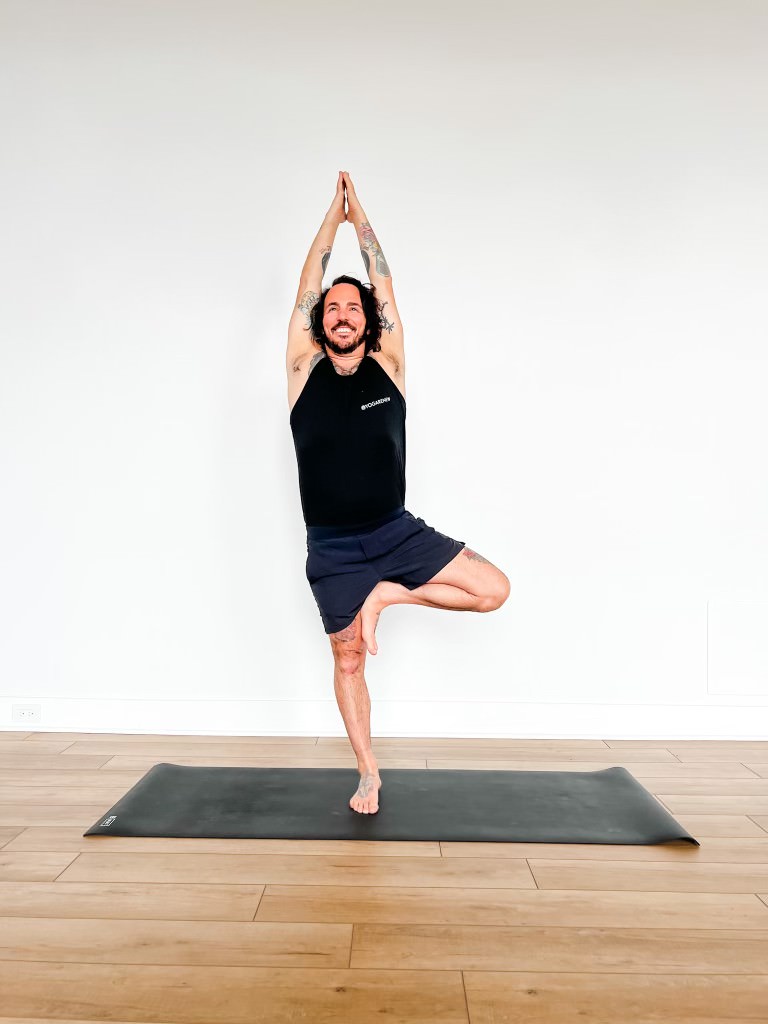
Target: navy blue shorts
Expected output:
[343,567]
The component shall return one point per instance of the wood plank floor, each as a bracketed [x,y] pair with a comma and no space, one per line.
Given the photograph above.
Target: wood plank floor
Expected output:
[198,931]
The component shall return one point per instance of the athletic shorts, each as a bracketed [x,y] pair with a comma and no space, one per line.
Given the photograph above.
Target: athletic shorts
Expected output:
[344,566]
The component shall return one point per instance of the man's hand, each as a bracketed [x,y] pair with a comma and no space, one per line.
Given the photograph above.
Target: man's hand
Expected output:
[355,212]
[337,214]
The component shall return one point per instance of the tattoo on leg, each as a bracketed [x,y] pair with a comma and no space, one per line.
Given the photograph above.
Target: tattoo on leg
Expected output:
[326,255]
[306,303]
[345,635]
[366,784]
[371,244]
[473,555]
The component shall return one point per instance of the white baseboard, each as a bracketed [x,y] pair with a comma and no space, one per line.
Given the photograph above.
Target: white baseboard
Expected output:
[718,719]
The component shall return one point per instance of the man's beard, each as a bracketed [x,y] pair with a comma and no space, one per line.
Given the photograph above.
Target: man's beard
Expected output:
[342,350]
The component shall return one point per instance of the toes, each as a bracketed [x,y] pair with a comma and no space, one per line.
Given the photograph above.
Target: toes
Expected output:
[365,802]
[363,807]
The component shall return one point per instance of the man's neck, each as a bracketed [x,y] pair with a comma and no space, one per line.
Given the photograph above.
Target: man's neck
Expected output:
[345,365]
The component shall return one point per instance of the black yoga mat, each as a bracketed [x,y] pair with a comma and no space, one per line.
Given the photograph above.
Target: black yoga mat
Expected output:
[180,801]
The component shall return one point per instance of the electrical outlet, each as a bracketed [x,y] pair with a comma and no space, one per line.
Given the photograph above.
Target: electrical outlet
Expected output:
[25,713]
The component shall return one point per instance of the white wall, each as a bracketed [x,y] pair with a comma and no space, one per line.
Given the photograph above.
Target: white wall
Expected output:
[572,201]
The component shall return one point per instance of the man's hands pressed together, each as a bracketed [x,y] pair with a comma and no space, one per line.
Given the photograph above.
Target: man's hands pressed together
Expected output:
[345,193]
[346,207]
[337,214]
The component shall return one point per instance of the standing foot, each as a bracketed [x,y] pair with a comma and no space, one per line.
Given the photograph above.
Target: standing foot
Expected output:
[366,798]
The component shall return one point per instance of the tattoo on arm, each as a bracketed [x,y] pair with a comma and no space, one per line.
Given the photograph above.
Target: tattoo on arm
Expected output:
[306,304]
[473,555]
[387,325]
[366,261]
[325,255]
[371,247]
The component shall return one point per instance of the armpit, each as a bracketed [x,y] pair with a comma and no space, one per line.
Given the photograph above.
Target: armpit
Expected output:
[315,360]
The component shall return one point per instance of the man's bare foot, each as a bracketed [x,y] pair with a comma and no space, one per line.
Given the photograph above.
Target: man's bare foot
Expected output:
[366,797]
[377,600]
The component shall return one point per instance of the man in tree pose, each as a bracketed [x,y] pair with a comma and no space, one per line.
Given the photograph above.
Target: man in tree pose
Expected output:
[346,394]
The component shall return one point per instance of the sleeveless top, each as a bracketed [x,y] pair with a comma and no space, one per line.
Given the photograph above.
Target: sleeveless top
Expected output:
[349,435]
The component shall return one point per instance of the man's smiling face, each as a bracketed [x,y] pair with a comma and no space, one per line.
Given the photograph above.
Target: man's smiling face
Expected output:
[343,319]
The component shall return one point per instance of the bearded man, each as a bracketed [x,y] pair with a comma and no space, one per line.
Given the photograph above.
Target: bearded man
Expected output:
[346,394]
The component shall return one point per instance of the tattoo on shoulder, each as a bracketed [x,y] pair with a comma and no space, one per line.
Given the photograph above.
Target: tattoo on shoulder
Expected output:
[315,360]
[473,555]
[307,303]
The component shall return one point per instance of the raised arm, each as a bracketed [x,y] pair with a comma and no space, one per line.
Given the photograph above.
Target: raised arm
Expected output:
[377,268]
[311,281]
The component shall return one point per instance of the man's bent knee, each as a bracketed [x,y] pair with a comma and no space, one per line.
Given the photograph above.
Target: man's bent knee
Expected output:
[495,598]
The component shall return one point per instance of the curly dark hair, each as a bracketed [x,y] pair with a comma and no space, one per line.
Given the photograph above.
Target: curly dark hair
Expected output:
[373,321]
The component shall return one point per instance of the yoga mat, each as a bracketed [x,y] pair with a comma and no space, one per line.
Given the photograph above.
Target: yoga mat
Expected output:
[180,801]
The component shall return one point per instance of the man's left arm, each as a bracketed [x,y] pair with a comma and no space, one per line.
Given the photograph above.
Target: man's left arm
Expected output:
[392,340]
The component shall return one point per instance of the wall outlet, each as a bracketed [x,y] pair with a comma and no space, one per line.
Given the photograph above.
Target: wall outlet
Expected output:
[25,713]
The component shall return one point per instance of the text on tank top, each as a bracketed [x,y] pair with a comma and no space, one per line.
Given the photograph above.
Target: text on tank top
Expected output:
[349,435]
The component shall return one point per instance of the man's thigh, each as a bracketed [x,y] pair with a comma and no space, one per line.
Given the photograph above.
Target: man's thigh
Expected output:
[475,574]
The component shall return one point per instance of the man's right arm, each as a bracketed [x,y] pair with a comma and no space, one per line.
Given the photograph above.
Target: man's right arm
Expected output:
[300,341]
[310,286]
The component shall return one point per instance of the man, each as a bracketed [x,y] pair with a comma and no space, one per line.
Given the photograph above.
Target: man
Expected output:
[365,551]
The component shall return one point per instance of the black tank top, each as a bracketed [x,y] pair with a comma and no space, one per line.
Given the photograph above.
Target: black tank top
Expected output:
[349,435]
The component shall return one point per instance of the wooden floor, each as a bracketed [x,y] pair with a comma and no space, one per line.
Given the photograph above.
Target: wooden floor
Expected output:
[206,931]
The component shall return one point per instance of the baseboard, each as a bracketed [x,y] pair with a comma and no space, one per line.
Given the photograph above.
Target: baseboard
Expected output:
[718,719]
